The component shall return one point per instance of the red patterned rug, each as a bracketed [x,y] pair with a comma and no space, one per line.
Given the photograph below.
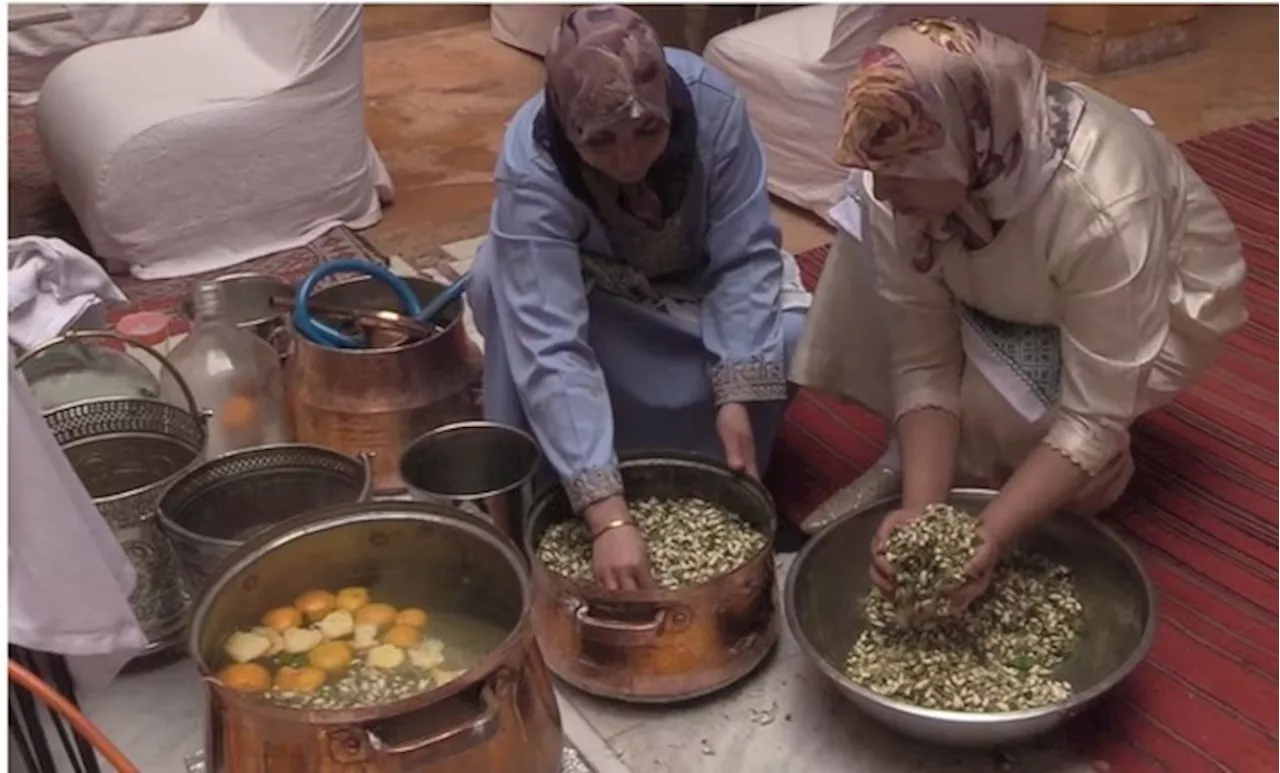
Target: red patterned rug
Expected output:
[1200,513]
[36,207]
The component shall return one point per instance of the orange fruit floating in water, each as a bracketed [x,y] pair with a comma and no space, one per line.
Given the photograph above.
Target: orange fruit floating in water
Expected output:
[381,615]
[403,636]
[246,677]
[315,604]
[282,618]
[305,680]
[331,656]
[353,598]
[412,616]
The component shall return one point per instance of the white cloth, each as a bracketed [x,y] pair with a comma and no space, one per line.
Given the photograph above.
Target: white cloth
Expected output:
[51,286]
[36,49]
[793,68]
[525,27]
[240,135]
[69,580]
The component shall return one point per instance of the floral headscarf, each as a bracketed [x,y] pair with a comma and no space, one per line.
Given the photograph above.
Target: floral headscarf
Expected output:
[605,64]
[948,99]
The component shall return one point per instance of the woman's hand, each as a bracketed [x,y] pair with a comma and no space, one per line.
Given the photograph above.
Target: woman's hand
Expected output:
[881,571]
[733,425]
[978,572]
[618,553]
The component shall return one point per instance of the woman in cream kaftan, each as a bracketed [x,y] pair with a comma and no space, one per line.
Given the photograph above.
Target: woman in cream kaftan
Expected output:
[1048,268]
[632,291]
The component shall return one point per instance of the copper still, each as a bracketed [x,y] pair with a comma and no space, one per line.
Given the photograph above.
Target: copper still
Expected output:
[659,646]
[379,400]
[499,717]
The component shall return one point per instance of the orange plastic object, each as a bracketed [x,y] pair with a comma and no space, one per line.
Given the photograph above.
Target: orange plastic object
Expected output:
[79,722]
[150,327]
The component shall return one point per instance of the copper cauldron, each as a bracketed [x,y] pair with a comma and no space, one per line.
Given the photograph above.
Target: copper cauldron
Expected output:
[659,646]
[379,400]
[499,717]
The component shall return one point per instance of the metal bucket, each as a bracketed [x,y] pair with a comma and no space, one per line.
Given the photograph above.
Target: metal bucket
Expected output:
[126,451]
[379,400]
[480,467]
[215,508]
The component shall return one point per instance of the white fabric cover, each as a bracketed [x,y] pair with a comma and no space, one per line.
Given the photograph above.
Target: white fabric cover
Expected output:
[526,27]
[69,580]
[793,67]
[197,149]
[35,50]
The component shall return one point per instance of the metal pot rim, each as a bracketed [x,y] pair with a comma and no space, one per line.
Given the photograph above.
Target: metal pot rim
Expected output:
[1067,707]
[441,330]
[163,483]
[592,592]
[338,516]
[445,429]
[240,276]
[170,525]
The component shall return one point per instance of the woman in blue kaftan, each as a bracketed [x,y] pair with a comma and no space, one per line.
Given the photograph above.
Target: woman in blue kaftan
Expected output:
[632,291]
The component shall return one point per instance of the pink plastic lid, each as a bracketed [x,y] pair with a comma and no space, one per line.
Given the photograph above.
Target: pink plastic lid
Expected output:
[150,327]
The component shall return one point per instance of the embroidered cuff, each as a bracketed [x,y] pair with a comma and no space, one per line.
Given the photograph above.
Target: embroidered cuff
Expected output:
[753,381]
[591,486]
[1089,446]
[925,397]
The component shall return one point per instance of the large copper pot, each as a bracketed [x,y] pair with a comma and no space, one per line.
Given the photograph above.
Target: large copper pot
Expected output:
[379,400]
[659,646]
[499,717]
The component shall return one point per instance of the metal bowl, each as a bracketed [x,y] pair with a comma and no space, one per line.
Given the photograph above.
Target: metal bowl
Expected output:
[830,577]
[249,304]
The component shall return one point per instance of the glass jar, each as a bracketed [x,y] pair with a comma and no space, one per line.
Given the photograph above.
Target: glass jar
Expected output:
[234,375]
[95,368]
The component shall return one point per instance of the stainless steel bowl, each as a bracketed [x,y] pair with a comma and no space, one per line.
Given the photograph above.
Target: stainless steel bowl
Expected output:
[830,577]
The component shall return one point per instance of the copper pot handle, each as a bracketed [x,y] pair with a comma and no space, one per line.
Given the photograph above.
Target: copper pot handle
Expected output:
[455,740]
[621,633]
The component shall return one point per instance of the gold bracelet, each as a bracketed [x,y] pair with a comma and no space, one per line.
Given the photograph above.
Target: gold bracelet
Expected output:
[610,526]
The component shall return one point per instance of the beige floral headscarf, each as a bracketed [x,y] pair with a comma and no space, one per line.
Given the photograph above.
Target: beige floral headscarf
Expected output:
[948,99]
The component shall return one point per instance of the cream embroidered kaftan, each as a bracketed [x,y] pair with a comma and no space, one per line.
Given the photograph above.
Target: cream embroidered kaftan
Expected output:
[1127,252]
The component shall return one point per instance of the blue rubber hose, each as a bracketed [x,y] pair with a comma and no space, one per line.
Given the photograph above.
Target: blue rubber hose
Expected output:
[438,304]
[320,332]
